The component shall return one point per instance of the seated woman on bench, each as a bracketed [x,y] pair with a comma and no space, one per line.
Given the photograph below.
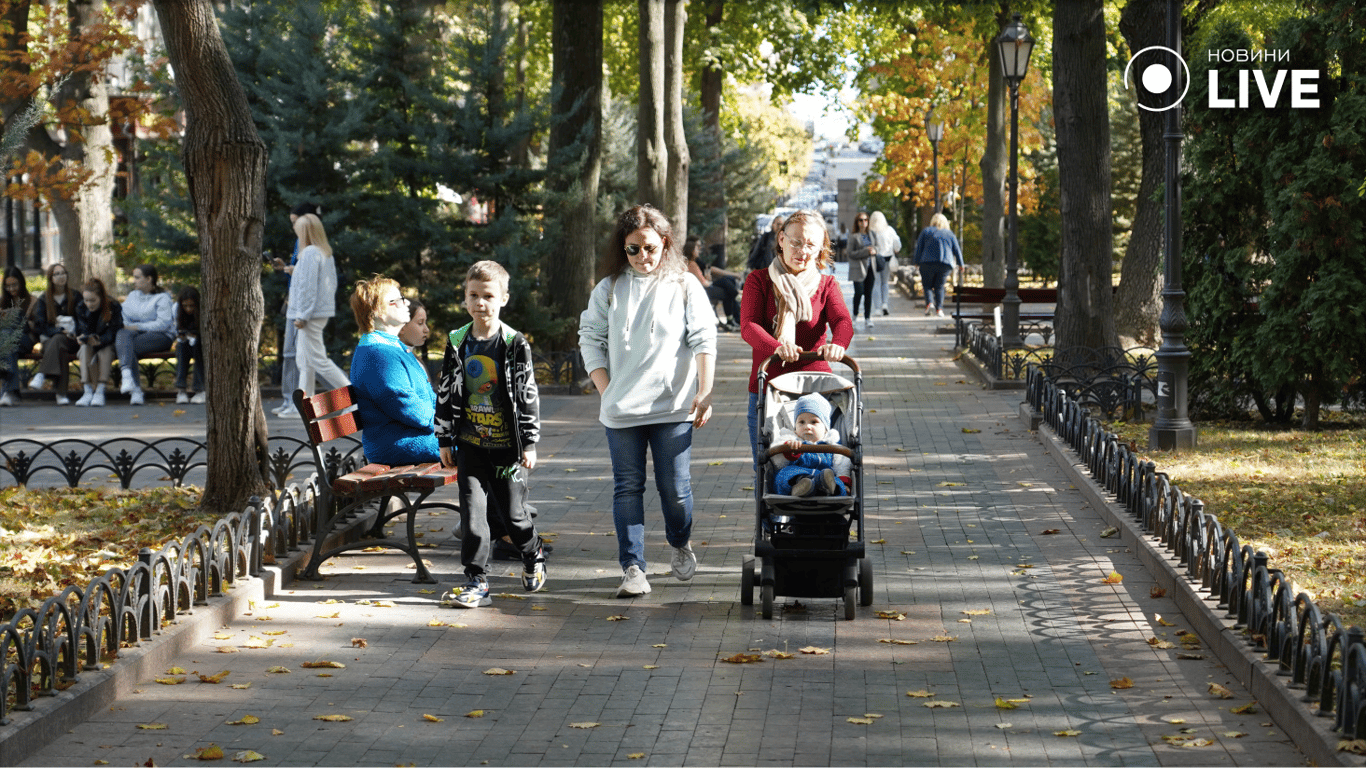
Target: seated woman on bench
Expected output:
[148,328]
[396,401]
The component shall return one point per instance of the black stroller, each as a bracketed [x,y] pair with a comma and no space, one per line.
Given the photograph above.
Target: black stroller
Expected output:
[809,546]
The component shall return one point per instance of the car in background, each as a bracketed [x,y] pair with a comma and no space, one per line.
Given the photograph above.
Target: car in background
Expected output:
[871,146]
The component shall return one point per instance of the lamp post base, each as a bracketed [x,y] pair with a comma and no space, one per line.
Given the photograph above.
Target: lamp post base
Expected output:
[1172,438]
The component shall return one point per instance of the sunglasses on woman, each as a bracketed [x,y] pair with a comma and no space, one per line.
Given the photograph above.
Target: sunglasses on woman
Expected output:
[634,250]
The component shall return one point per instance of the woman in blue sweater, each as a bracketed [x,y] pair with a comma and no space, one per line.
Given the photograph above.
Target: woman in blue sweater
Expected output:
[937,254]
[396,401]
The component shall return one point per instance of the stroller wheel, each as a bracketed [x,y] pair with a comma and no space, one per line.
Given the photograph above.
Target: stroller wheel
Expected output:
[767,591]
[747,581]
[849,600]
[865,582]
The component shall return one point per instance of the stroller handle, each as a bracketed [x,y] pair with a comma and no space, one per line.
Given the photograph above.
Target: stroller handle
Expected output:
[807,357]
[814,448]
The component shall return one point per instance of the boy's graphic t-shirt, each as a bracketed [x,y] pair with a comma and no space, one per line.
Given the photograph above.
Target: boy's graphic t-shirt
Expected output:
[488,413]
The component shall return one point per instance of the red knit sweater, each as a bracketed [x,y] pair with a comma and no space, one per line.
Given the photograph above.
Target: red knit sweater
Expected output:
[760,305]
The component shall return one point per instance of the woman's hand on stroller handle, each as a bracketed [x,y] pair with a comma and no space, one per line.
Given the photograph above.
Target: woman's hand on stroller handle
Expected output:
[812,448]
[820,354]
[833,353]
[789,352]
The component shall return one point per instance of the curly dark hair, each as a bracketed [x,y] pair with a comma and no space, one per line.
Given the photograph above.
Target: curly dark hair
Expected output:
[635,218]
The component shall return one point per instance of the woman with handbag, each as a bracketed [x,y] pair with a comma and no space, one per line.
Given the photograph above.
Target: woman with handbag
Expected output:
[862,267]
[888,244]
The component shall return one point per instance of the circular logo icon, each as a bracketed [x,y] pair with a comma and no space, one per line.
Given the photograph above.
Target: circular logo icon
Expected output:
[1154,68]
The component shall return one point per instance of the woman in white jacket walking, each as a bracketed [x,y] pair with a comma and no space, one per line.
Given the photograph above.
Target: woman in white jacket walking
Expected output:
[148,327]
[654,374]
[888,244]
[312,302]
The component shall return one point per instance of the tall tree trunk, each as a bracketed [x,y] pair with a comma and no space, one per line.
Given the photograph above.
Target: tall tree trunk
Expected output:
[522,155]
[651,151]
[995,164]
[710,82]
[225,164]
[1138,302]
[1085,318]
[576,143]
[87,231]
[675,140]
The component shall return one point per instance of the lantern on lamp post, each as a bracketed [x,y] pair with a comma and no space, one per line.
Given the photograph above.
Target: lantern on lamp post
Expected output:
[1015,45]
[934,129]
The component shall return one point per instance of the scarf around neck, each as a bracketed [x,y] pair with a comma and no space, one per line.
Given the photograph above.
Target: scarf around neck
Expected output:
[794,297]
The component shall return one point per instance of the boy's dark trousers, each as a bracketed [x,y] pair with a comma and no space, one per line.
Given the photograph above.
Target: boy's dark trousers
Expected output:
[488,489]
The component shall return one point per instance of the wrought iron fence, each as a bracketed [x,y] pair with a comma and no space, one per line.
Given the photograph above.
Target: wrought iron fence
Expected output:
[44,650]
[1306,644]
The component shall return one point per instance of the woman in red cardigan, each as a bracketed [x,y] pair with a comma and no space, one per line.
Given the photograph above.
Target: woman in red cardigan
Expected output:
[789,307]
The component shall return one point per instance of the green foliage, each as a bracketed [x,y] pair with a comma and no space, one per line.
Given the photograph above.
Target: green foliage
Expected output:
[1274,217]
[1041,227]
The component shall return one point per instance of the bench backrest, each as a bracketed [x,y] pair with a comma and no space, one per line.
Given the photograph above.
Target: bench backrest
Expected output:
[328,415]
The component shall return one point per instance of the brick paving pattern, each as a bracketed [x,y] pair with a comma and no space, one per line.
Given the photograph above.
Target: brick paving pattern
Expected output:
[959,498]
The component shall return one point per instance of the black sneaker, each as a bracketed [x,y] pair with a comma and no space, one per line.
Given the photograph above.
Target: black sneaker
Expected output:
[533,571]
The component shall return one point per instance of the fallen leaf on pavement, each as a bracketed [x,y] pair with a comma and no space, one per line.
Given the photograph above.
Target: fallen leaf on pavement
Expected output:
[1122,683]
[248,756]
[1233,734]
[1050,531]
[218,678]
[1157,592]
[969,431]
[893,615]
[323,665]
[1216,689]
[1246,709]
[898,641]
[618,617]
[359,642]
[1113,578]
[584,725]
[1067,733]
[976,612]
[1108,533]
[743,658]
[246,720]
[241,686]
[498,671]
[921,694]
[333,718]
[170,680]
[226,649]
[639,755]
[1161,621]
[152,726]
[943,638]
[278,670]
[814,651]
[942,704]
[1003,704]
[860,720]
[211,752]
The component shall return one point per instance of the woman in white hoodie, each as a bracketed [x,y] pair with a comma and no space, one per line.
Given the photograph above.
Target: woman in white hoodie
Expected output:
[148,326]
[313,302]
[654,374]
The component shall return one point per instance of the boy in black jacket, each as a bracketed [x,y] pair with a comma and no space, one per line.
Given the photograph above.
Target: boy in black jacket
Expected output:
[489,407]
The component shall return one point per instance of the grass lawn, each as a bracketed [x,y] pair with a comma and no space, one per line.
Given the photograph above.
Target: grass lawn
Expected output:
[52,538]
[1298,495]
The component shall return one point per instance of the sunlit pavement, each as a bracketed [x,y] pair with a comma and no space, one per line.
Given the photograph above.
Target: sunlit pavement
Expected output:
[997,612]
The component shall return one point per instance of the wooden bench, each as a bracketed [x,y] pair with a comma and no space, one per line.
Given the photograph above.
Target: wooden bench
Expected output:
[971,294]
[346,499]
[153,364]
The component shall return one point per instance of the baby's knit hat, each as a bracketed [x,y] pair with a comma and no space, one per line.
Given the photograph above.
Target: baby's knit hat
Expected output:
[813,404]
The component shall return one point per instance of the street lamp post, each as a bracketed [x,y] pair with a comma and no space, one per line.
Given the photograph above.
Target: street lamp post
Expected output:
[1172,429]
[935,130]
[1015,45]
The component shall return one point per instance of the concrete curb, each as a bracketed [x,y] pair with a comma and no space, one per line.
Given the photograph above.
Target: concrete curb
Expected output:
[52,717]
[1312,734]
[989,381]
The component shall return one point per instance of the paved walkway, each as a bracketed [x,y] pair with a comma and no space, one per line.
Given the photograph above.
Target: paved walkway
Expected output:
[995,561]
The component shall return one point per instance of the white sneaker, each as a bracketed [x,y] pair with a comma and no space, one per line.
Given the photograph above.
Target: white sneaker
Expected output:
[198,398]
[129,383]
[684,563]
[98,400]
[633,583]
[87,397]
[37,381]
[868,324]
[182,398]
[288,412]
[63,400]
[6,401]
[135,397]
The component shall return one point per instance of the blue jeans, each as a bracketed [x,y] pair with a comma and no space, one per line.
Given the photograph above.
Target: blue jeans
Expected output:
[130,344]
[671,447]
[754,446]
[932,277]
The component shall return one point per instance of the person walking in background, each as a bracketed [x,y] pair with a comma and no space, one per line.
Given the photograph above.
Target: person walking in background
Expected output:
[789,308]
[16,298]
[289,368]
[98,321]
[396,402]
[862,271]
[888,244]
[312,303]
[189,348]
[148,327]
[648,340]
[761,255]
[54,320]
[936,254]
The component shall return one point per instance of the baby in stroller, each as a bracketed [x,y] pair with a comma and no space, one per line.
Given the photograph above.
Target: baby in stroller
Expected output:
[810,474]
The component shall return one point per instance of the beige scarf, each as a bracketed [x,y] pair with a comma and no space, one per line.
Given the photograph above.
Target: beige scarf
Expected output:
[794,297]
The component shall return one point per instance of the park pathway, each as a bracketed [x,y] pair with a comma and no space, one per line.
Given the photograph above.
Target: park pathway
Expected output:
[995,561]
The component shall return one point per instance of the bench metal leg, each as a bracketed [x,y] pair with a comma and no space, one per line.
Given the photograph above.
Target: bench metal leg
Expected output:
[355,512]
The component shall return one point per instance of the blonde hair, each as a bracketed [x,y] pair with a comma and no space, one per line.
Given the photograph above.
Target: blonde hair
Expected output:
[939,221]
[310,230]
[368,299]
[800,219]
[489,272]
